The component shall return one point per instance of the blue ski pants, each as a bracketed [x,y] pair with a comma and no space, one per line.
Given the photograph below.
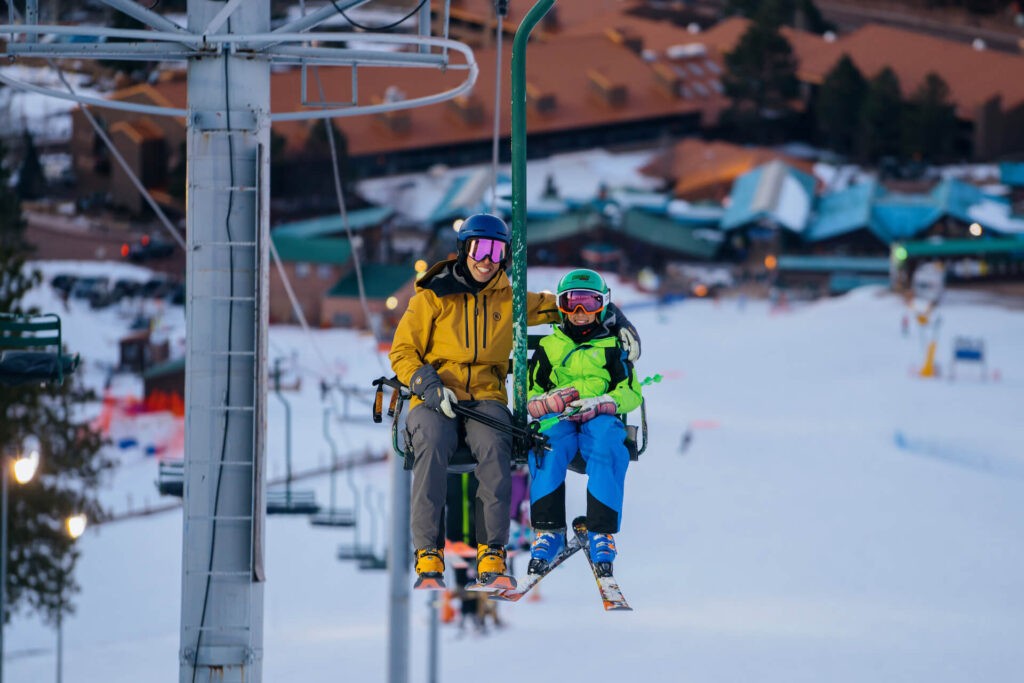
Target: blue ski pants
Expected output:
[601,443]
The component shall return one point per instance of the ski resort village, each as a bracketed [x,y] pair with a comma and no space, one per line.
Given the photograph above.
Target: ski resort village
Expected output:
[427,341]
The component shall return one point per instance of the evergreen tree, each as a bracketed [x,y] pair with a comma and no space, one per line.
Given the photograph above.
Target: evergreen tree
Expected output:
[839,102]
[811,18]
[929,126]
[880,119]
[761,79]
[31,179]
[800,14]
[41,556]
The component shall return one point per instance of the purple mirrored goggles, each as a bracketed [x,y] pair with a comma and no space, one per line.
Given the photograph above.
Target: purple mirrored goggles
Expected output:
[480,248]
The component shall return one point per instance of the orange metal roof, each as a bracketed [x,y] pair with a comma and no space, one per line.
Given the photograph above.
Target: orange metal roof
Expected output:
[552,67]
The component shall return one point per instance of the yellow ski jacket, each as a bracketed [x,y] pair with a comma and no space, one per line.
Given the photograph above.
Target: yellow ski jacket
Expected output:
[464,332]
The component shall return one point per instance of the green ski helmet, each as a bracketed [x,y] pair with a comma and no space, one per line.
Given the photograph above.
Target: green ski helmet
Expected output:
[583,288]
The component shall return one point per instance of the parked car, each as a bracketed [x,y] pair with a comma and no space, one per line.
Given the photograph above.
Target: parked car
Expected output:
[146,248]
[63,283]
[90,287]
[126,288]
[157,288]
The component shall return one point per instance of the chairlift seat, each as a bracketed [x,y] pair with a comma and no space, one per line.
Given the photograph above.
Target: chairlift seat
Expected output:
[338,517]
[31,350]
[355,551]
[171,478]
[290,502]
[373,563]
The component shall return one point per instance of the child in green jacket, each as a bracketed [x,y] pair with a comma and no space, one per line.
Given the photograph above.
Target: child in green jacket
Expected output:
[581,376]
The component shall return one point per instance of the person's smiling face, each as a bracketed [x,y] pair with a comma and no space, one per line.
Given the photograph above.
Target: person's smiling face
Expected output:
[482,271]
[581,318]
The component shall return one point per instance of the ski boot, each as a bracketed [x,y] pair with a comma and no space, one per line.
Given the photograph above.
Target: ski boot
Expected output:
[429,569]
[491,573]
[602,552]
[545,549]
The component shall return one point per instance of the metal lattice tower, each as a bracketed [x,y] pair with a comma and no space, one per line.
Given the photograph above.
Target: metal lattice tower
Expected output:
[229,48]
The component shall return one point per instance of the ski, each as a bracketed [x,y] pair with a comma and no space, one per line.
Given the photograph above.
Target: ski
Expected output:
[607,585]
[492,582]
[429,582]
[532,580]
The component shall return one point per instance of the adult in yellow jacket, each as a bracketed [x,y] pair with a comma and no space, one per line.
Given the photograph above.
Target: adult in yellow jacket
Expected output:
[453,344]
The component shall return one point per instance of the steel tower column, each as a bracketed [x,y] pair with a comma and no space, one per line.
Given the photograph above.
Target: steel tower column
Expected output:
[226,355]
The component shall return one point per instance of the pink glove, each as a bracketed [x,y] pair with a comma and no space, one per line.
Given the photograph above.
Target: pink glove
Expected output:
[554,401]
[586,409]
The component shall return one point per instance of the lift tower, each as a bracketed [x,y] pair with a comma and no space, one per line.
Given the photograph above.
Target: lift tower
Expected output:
[229,47]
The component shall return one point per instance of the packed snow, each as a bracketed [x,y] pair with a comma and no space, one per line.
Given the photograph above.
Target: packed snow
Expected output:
[833,516]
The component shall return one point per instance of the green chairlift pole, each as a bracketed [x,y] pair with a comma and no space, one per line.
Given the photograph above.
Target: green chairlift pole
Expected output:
[518,273]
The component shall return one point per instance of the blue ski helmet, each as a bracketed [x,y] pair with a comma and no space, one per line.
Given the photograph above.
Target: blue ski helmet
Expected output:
[482,226]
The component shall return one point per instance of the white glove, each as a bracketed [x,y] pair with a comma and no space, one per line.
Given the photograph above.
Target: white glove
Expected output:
[586,409]
[630,344]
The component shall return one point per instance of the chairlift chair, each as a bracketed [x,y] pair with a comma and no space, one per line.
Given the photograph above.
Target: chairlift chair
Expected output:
[32,350]
[333,516]
[362,553]
[171,478]
[462,460]
[287,501]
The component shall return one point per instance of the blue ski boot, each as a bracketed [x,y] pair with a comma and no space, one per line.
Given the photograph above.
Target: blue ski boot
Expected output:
[545,549]
[602,552]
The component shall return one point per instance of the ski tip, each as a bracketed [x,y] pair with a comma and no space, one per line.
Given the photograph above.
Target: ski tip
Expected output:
[495,582]
[506,596]
[616,607]
[429,583]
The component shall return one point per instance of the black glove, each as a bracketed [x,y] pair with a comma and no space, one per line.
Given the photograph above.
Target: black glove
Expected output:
[435,395]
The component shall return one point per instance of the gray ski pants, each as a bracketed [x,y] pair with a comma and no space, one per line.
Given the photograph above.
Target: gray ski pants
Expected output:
[434,440]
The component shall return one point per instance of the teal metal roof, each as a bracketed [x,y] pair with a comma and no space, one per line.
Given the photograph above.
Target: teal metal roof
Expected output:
[955,197]
[773,191]
[455,203]
[360,219]
[901,216]
[666,232]
[833,264]
[841,283]
[379,281]
[978,247]
[841,212]
[333,250]
[557,228]
[1012,173]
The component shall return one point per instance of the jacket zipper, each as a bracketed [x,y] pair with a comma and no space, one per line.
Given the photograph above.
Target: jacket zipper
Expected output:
[465,320]
[476,315]
[485,322]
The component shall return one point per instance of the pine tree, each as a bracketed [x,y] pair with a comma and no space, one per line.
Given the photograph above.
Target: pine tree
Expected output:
[881,118]
[41,556]
[839,103]
[930,127]
[761,78]
[31,179]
